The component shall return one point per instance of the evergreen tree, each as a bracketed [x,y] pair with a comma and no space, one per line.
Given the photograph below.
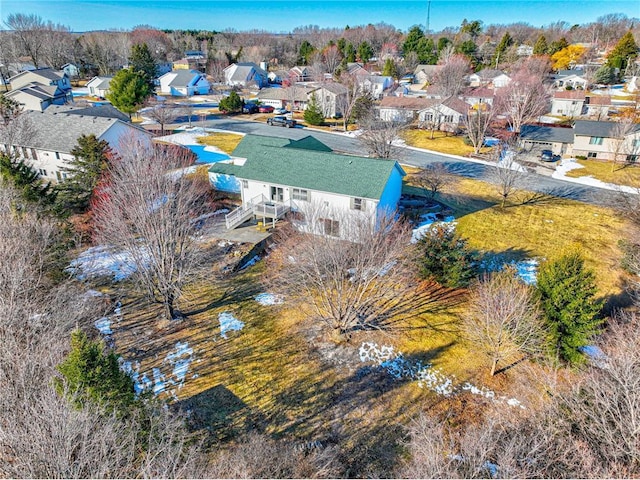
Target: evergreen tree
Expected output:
[26,180]
[426,52]
[557,45]
[468,48]
[505,43]
[442,43]
[90,158]
[91,375]
[446,258]
[390,68]
[349,53]
[128,90]
[142,61]
[342,44]
[567,293]
[605,75]
[541,47]
[411,43]
[313,114]
[231,104]
[365,52]
[305,52]
[625,52]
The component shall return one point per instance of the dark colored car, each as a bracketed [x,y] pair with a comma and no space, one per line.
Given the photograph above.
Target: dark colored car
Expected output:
[547,156]
[265,109]
[282,121]
[250,108]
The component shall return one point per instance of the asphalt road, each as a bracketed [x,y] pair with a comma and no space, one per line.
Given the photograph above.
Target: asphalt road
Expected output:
[459,166]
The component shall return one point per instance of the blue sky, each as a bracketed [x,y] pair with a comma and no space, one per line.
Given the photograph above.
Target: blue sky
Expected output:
[285,15]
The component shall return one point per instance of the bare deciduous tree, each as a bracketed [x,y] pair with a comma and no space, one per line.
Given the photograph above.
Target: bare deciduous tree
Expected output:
[433,178]
[524,99]
[359,280]
[452,77]
[626,148]
[28,30]
[347,102]
[477,123]
[163,113]
[380,137]
[507,174]
[502,319]
[148,209]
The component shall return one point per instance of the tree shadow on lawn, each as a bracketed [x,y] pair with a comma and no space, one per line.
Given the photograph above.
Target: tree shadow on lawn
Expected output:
[492,261]
[363,413]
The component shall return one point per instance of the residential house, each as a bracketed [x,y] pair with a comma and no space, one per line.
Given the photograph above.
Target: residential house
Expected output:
[478,96]
[489,77]
[357,69]
[294,98]
[48,149]
[524,50]
[425,73]
[431,91]
[245,74]
[99,86]
[606,140]
[570,78]
[38,97]
[277,176]
[557,139]
[42,76]
[299,73]
[568,103]
[376,85]
[447,115]
[71,70]
[90,110]
[330,97]
[184,83]
[277,76]
[404,109]
[598,106]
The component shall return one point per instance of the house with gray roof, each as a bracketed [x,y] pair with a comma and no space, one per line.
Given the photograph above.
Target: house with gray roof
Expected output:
[37,97]
[275,176]
[536,137]
[90,110]
[42,76]
[99,86]
[55,134]
[447,115]
[244,74]
[184,83]
[617,141]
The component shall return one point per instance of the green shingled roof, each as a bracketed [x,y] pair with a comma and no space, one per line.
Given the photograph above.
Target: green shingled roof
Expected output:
[281,162]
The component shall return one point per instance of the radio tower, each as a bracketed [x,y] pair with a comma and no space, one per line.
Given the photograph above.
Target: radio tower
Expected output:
[428,15]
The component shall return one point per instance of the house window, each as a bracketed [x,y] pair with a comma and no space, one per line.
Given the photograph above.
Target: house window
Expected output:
[357,204]
[448,118]
[58,176]
[592,155]
[632,158]
[596,141]
[42,172]
[331,227]
[300,194]
[25,153]
[245,183]
[57,155]
[33,154]
[636,143]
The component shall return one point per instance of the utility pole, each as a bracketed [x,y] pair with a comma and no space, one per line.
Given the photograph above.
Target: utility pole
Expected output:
[428,16]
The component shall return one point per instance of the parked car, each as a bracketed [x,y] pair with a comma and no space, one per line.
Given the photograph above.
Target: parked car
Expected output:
[280,111]
[250,108]
[282,121]
[547,156]
[265,109]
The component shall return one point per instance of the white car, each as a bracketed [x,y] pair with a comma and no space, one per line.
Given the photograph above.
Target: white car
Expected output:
[281,111]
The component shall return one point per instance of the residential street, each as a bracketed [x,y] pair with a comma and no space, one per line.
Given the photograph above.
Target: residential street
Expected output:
[467,168]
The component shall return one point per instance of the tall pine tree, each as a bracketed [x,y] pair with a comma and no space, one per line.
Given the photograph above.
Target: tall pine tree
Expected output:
[625,52]
[128,90]
[90,159]
[142,61]
[567,292]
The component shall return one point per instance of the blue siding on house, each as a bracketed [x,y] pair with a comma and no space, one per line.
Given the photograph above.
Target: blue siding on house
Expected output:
[391,194]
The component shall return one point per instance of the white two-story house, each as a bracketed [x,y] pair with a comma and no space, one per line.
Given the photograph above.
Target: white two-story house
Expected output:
[275,176]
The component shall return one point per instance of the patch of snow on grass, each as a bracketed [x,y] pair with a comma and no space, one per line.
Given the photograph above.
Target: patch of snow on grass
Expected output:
[228,323]
[269,299]
[158,380]
[568,164]
[102,261]
[180,359]
[597,356]
[428,220]
[433,379]
[104,325]
[250,262]
[528,270]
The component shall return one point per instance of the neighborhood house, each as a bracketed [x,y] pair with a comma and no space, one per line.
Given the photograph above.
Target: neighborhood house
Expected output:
[275,176]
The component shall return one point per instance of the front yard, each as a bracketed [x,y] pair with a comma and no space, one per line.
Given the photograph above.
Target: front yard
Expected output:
[441,142]
[608,172]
